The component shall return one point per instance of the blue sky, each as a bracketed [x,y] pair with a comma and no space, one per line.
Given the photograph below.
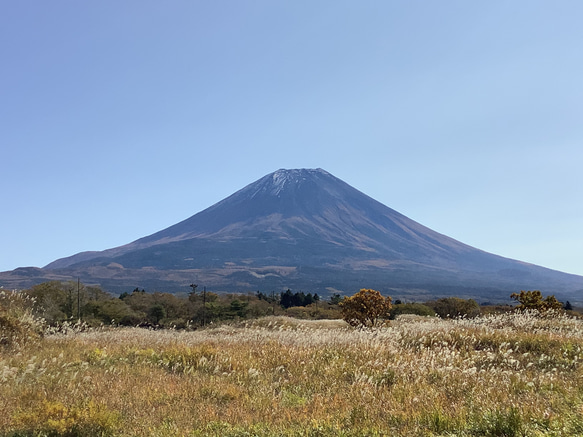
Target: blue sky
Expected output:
[118,119]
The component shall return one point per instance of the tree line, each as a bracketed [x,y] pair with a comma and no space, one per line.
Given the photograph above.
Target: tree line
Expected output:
[57,302]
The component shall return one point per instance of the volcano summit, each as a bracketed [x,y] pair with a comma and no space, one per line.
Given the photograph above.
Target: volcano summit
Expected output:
[304,229]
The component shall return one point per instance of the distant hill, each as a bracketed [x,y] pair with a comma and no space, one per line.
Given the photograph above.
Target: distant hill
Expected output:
[305,230]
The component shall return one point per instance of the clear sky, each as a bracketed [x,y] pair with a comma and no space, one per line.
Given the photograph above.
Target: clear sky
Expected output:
[121,118]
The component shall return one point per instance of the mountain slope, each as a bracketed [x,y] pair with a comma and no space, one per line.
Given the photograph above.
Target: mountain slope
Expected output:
[307,229]
[305,207]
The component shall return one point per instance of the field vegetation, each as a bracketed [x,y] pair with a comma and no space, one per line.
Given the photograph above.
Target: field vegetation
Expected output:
[503,374]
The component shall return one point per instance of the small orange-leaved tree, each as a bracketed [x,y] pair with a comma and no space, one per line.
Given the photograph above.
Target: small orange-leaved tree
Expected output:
[367,308]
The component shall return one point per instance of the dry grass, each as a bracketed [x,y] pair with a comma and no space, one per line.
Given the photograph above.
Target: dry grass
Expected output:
[507,375]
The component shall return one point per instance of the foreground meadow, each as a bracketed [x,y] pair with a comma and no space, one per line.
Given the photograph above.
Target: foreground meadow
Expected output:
[502,375]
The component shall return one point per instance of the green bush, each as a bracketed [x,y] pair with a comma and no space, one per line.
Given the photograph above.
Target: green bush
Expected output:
[411,308]
[452,307]
[533,300]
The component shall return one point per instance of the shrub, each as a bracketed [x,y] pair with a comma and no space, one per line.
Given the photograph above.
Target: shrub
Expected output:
[533,300]
[452,307]
[411,308]
[52,301]
[108,311]
[366,308]
[131,320]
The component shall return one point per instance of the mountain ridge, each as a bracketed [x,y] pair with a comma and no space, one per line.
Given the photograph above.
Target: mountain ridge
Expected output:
[307,229]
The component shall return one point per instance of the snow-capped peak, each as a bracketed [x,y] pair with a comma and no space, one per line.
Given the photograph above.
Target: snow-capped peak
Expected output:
[277,181]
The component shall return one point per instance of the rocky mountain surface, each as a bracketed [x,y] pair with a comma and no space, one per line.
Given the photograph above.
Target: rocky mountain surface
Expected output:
[305,230]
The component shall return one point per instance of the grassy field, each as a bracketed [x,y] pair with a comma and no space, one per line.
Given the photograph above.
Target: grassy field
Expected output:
[498,375]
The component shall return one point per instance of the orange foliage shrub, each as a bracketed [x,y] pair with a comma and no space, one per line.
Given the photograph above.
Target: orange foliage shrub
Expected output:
[367,308]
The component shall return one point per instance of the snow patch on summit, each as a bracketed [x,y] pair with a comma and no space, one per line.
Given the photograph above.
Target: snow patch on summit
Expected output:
[276,182]
[282,177]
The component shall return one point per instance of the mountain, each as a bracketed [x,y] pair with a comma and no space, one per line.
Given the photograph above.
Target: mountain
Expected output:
[304,229]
